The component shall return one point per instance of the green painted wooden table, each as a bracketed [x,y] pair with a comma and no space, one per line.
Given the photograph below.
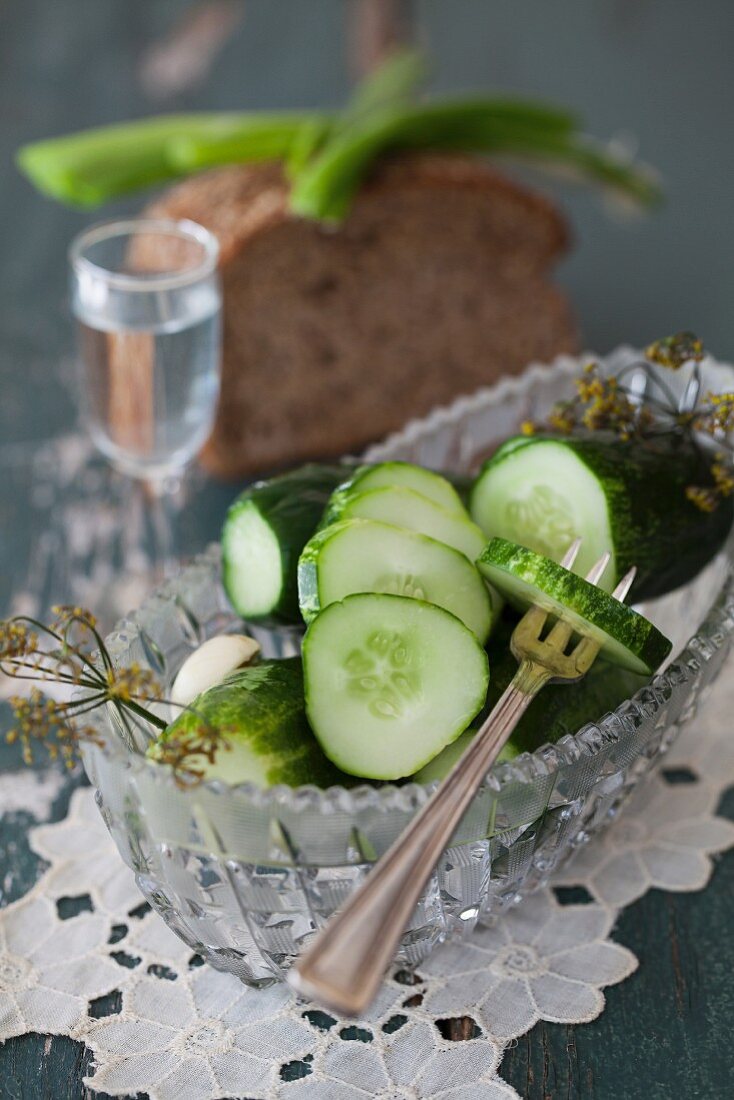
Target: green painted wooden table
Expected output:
[667,1031]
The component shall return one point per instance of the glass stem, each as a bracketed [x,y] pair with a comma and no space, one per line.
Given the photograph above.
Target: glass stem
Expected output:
[159,495]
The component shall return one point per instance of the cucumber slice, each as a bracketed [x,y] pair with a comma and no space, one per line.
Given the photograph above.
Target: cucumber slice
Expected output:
[264,532]
[262,709]
[362,555]
[628,498]
[543,497]
[405,508]
[626,638]
[385,475]
[390,681]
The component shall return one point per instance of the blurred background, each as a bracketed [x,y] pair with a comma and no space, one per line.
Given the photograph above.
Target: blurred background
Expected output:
[657,73]
[654,74]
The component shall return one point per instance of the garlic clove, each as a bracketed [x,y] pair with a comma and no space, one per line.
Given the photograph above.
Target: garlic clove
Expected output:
[210,664]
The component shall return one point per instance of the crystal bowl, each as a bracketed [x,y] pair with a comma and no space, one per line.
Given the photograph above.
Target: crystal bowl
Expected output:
[245,876]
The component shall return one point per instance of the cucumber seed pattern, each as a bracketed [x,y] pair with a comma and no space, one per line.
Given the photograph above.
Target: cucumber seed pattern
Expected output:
[380,672]
[401,584]
[545,513]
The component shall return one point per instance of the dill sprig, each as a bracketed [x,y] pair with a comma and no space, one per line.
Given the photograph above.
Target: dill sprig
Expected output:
[70,651]
[609,403]
[188,753]
[673,352]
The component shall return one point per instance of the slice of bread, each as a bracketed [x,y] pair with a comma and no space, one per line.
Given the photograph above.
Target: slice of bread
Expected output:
[436,283]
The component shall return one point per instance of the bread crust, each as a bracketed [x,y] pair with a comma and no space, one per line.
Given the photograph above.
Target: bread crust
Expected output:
[240,201]
[436,283]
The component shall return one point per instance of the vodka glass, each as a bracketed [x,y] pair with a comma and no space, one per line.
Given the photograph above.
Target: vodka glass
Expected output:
[146,297]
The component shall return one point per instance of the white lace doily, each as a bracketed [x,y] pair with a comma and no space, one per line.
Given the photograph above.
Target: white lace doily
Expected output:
[176,1028]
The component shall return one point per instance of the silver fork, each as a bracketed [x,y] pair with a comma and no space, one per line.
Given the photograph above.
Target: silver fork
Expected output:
[343,968]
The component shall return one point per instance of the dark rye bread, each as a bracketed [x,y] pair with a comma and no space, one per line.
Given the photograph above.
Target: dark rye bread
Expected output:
[436,283]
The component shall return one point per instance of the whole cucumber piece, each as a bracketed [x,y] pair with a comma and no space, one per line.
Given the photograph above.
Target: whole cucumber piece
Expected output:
[626,497]
[559,710]
[266,737]
[264,533]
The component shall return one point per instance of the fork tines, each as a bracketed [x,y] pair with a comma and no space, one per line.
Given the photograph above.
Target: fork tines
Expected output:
[571,554]
[625,584]
[597,570]
[550,652]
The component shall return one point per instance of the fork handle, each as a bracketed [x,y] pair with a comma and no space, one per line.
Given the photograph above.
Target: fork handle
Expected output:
[343,968]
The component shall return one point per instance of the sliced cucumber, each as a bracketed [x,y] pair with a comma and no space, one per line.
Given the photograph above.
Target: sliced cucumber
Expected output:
[628,498]
[406,508]
[264,532]
[362,555]
[262,710]
[390,681]
[543,497]
[385,475]
[626,638]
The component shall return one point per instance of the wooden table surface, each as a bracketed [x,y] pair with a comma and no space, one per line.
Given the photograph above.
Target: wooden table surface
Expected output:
[667,1031]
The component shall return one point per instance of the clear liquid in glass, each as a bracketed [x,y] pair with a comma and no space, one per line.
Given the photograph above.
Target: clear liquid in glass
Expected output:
[150,377]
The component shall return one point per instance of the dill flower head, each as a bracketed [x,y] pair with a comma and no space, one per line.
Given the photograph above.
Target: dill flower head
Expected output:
[17,640]
[673,351]
[70,652]
[132,682]
[44,721]
[188,753]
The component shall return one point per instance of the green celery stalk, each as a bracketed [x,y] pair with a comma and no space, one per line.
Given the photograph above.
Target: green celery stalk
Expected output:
[396,81]
[95,166]
[325,187]
[310,138]
[256,138]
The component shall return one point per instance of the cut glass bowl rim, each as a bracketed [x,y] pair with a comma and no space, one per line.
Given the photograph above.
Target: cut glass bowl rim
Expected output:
[525,769]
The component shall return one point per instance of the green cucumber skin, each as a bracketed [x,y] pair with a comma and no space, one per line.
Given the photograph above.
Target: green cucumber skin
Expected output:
[264,705]
[560,710]
[335,505]
[654,526]
[462,483]
[292,504]
[308,575]
[630,630]
[355,484]
[308,570]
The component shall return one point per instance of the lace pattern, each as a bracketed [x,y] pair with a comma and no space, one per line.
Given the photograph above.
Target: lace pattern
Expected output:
[82,955]
[175,1027]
